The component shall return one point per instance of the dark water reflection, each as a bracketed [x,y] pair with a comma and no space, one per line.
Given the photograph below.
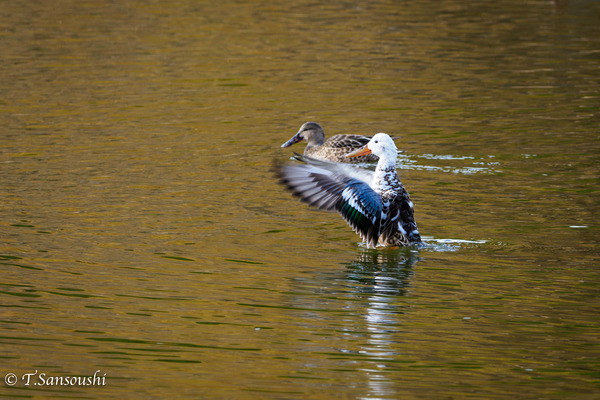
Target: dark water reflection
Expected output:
[143,233]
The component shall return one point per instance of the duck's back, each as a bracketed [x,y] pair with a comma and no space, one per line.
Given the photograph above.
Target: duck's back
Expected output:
[336,147]
[400,227]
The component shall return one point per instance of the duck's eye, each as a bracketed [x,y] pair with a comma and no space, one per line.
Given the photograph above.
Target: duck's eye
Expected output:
[377,141]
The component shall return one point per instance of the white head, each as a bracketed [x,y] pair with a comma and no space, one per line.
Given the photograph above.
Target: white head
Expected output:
[382,145]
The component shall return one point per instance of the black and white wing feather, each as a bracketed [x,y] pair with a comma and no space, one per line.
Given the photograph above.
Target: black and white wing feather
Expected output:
[343,188]
[338,169]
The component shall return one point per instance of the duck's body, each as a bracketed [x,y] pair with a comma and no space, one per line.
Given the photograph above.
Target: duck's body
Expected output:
[333,149]
[374,204]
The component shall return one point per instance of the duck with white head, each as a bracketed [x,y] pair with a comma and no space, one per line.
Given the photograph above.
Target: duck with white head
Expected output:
[375,204]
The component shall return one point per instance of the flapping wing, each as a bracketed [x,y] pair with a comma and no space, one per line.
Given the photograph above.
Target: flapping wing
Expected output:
[316,186]
[326,186]
[338,169]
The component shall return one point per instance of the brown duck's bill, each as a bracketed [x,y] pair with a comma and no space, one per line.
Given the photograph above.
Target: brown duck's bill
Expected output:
[295,139]
[363,151]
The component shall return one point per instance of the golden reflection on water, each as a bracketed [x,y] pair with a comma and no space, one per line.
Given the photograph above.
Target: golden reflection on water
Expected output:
[144,235]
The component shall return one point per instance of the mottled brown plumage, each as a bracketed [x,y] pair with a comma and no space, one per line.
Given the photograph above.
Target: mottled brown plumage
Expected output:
[333,149]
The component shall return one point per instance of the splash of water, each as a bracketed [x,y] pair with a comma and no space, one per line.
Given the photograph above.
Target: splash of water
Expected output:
[442,245]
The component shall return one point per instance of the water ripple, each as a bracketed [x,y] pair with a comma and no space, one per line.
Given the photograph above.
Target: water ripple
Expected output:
[443,245]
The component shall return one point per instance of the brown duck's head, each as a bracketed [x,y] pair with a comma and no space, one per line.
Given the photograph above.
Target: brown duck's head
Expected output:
[311,132]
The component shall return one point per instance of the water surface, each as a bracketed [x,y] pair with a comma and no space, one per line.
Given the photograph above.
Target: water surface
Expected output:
[144,234]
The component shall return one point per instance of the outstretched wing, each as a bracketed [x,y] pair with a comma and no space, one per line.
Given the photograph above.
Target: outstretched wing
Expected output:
[316,186]
[338,169]
[327,187]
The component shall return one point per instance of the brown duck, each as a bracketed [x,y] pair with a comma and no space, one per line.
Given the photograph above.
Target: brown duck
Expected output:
[333,149]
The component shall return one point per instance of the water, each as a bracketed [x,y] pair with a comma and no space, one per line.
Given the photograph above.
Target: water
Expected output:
[144,235]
